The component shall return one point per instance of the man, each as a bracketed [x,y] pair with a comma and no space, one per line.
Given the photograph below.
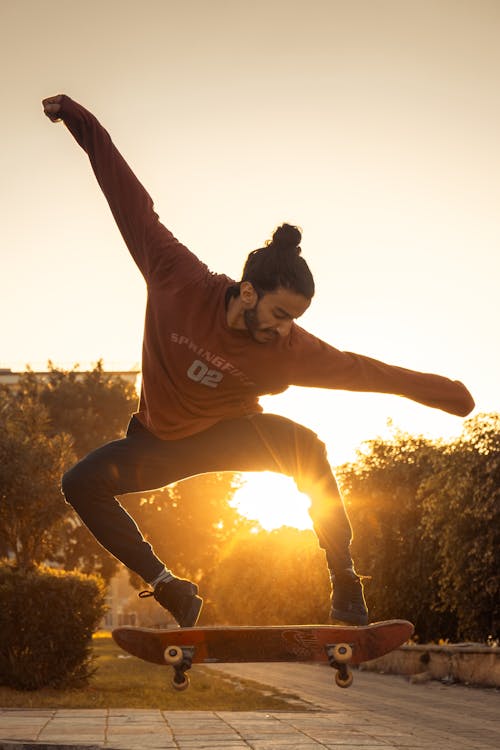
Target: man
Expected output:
[211,348]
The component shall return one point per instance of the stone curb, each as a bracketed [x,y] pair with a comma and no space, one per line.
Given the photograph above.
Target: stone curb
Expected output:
[469,664]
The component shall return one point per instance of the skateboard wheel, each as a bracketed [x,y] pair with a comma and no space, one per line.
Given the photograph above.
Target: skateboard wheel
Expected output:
[180,681]
[344,680]
[341,653]
[173,655]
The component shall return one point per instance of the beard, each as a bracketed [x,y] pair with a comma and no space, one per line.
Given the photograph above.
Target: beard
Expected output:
[259,333]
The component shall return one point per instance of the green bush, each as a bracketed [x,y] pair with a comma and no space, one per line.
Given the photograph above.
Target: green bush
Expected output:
[47,618]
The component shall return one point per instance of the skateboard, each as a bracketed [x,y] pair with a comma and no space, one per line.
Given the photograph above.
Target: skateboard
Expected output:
[338,645]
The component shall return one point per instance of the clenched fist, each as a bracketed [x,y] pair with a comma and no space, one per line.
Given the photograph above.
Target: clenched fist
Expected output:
[52,106]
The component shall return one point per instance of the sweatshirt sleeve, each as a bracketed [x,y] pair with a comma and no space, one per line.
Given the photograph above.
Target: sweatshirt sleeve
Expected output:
[154,248]
[320,365]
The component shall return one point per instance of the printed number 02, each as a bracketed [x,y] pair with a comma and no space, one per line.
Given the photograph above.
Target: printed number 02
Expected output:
[200,373]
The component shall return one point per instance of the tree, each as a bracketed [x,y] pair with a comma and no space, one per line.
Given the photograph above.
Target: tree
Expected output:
[90,408]
[79,550]
[31,463]
[190,522]
[268,578]
[462,522]
[93,407]
[382,493]
[426,517]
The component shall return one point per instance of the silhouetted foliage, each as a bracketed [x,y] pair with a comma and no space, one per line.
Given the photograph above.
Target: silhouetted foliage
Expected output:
[93,407]
[32,509]
[271,578]
[70,412]
[461,520]
[189,523]
[426,521]
[46,619]
[381,493]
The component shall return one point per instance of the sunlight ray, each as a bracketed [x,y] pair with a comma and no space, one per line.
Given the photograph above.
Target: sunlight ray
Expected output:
[273,500]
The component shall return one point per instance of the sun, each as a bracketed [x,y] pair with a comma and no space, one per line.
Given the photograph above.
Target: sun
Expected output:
[273,500]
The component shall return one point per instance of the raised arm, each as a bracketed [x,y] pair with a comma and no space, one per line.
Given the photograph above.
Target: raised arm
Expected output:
[322,366]
[152,246]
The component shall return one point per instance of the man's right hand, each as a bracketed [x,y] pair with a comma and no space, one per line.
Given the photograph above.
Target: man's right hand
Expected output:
[52,106]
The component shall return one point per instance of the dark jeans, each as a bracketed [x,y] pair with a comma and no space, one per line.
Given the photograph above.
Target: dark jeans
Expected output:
[141,461]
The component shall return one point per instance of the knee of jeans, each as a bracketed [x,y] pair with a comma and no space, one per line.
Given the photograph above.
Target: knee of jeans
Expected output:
[72,484]
[313,465]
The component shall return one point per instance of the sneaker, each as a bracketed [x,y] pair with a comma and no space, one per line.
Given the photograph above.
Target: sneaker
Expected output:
[348,601]
[180,598]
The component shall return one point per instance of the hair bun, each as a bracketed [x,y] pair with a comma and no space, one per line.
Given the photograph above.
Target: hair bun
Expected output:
[287,237]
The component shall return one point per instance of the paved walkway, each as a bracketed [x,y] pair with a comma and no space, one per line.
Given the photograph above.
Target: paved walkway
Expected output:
[163,730]
[368,716]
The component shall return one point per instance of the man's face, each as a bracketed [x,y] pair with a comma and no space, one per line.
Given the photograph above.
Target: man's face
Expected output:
[273,314]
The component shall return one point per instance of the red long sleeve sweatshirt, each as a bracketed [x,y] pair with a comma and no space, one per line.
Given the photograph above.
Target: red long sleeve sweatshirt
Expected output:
[196,370]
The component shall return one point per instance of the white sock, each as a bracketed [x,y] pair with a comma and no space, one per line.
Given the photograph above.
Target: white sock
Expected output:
[163,577]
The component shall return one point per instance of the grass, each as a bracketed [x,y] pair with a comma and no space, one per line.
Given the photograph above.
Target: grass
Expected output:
[122,681]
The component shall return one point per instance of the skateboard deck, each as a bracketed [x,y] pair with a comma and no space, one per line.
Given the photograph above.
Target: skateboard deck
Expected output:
[337,645]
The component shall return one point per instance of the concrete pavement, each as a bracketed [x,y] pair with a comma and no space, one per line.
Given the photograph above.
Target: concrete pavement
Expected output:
[378,712]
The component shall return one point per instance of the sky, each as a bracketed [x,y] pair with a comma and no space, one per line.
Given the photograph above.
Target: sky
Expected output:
[374,125]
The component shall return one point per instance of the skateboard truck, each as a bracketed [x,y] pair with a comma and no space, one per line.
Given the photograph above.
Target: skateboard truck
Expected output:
[339,656]
[181,660]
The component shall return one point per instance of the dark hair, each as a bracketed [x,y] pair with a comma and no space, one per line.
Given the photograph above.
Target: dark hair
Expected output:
[279,264]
